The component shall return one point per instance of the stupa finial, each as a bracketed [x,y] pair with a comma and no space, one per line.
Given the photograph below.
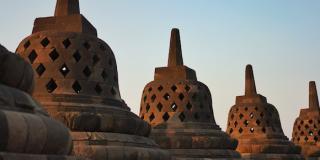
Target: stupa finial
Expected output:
[250,86]
[313,96]
[175,52]
[67,7]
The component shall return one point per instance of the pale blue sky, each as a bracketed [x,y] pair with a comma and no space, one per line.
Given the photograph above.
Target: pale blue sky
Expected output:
[280,38]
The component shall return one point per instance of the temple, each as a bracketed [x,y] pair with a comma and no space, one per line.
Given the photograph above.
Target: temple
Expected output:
[306,127]
[179,108]
[77,83]
[256,125]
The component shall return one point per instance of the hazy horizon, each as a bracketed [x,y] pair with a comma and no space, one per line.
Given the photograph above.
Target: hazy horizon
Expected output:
[279,38]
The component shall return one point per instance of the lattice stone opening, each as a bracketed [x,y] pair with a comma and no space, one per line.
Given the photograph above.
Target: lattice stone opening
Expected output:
[166,116]
[240,130]
[181,96]
[174,106]
[187,88]
[151,117]
[189,106]
[87,72]
[40,69]
[77,56]
[87,45]
[174,88]
[45,42]
[251,130]
[145,98]
[98,89]
[166,96]
[104,75]
[51,86]
[27,44]
[32,56]
[246,123]
[153,98]
[147,108]
[54,55]
[64,70]
[76,87]
[159,106]
[66,43]
[230,131]
[182,117]
[95,59]
[160,88]
[258,122]
[150,89]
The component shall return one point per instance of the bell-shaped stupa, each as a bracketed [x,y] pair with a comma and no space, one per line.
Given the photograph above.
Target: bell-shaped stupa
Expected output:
[256,125]
[179,108]
[77,83]
[26,130]
[306,132]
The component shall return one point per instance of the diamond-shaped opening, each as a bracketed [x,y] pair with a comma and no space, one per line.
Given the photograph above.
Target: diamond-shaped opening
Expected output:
[95,59]
[166,116]
[251,130]
[64,70]
[189,106]
[45,42]
[182,117]
[40,69]
[235,124]
[103,47]
[144,98]
[310,121]
[261,115]
[240,130]
[174,107]
[187,88]
[246,122]
[76,87]
[87,72]
[181,96]
[150,89]
[27,44]
[246,108]
[153,98]
[54,55]
[174,88]
[98,89]
[32,56]
[77,56]
[258,122]
[159,106]
[264,130]
[251,115]
[306,138]
[86,45]
[310,133]
[166,96]
[66,43]
[151,117]
[113,91]
[316,138]
[196,116]
[51,86]
[160,88]
[230,131]
[241,116]
[147,107]
[104,75]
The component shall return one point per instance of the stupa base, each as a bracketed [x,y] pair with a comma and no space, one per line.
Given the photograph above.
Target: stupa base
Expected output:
[272,156]
[204,154]
[116,146]
[18,156]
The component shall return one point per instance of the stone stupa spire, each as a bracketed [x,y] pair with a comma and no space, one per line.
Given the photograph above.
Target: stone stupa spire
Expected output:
[175,52]
[67,7]
[250,86]
[313,96]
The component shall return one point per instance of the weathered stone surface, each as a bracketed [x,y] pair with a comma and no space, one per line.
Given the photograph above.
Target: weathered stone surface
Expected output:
[306,131]
[26,131]
[77,83]
[179,108]
[256,125]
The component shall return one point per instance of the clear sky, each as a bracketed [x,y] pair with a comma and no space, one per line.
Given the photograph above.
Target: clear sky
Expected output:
[280,38]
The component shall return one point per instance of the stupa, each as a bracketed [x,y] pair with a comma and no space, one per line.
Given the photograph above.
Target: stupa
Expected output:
[26,130]
[179,108]
[77,83]
[256,125]
[306,131]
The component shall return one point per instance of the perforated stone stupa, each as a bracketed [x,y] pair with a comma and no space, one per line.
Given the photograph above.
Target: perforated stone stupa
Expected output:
[77,83]
[306,131]
[256,125]
[26,131]
[179,108]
